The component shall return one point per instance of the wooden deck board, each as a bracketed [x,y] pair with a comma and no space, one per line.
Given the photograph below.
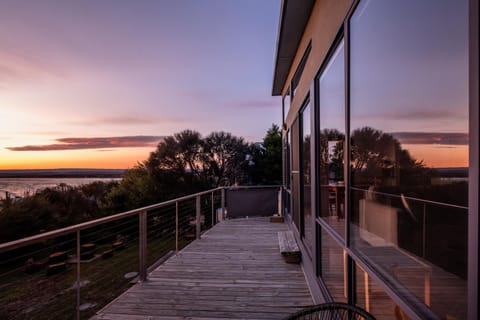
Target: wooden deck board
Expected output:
[234,272]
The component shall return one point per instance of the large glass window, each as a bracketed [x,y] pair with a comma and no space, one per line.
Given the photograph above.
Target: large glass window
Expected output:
[287,174]
[288,159]
[409,148]
[331,141]
[295,173]
[298,73]
[306,176]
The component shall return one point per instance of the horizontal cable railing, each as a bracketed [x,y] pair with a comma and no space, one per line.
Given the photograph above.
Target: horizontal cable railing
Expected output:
[428,229]
[74,271]
[409,198]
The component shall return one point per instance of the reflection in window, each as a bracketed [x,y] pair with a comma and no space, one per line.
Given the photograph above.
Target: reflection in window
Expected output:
[295,173]
[331,141]
[409,146]
[306,177]
[298,73]
[371,297]
[287,174]
[288,159]
[333,266]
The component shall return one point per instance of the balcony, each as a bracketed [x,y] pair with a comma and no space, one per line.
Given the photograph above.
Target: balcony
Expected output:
[234,271]
[176,259]
[181,259]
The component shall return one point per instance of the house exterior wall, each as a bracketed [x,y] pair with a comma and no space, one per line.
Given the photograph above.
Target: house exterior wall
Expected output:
[326,19]
[378,235]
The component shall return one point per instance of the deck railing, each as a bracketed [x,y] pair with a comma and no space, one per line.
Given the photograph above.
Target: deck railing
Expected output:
[72,272]
[428,229]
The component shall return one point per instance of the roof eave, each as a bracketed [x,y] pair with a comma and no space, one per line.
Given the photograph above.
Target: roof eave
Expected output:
[294,15]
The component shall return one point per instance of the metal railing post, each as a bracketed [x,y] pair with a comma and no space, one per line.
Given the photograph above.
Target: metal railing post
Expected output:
[78,274]
[197,206]
[223,203]
[213,210]
[176,227]
[424,231]
[142,239]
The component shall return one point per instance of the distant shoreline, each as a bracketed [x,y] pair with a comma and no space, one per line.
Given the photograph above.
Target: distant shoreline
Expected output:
[62,173]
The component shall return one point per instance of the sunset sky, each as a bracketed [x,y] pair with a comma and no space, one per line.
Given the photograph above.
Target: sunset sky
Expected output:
[96,84]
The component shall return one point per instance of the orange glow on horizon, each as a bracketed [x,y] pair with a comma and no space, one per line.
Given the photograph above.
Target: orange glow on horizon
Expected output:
[439,156]
[90,159]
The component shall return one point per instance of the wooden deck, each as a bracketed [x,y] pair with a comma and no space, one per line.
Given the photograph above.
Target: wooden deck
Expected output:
[234,272]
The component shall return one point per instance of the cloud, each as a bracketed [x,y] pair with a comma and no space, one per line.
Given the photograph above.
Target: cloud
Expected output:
[421,113]
[18,66]
[93,143]
[213,98]
[260,103]
[426,113]
[445,138]
[46,133]
[199,95]
[128,120]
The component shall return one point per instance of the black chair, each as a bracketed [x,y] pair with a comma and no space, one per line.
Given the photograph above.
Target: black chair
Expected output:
[333,311]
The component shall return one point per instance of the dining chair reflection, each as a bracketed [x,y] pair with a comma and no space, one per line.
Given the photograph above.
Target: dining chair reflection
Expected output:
[336,196]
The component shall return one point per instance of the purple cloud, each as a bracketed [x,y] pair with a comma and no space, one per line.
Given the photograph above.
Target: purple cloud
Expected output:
[432,138]
[260,103]
[16,65]
[47,133]
[127,120]
[93,143]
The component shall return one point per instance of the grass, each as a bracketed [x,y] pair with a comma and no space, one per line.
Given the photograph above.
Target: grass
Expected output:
[37,296]
[41,297]
[9,296]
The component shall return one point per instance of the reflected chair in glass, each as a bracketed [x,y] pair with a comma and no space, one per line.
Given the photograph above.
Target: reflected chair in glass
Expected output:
[332,201]
[333,310]
[336,194]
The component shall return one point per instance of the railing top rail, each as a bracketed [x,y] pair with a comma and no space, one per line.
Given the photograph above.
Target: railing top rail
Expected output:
[253,187]
[413,199]
[58,232]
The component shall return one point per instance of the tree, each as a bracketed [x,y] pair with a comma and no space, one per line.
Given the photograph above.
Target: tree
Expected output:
[184,162]
[331,163]
[98,191]
[378,155]
[136,189]
[176,166]
[52,208]
[180,153]
[223,156]
[271,161]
